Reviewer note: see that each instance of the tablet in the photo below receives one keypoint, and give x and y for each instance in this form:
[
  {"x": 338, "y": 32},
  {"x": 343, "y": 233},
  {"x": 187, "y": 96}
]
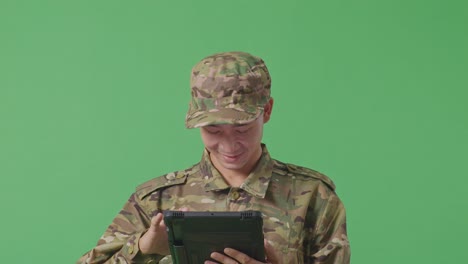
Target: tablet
[{"x": 193, "y": 236}]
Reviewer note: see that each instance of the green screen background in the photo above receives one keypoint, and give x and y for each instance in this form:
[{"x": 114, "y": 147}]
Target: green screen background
[{"x": 93, "y": 96}]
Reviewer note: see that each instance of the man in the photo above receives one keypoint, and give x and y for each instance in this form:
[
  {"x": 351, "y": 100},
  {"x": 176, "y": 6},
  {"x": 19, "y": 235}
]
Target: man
[{"x": 304, "y": 220}]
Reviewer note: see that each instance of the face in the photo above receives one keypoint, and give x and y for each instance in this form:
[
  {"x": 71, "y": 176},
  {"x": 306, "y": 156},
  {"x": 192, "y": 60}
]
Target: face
[{"x": 236, "y": 147}]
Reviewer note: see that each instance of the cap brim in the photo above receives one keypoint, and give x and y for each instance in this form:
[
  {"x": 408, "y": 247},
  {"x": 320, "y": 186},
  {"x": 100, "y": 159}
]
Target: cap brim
[{"x": 220, "y": 117}]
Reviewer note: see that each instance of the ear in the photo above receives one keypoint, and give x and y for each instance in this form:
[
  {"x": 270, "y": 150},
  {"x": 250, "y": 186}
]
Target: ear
[{"x": 267, "y": 110}]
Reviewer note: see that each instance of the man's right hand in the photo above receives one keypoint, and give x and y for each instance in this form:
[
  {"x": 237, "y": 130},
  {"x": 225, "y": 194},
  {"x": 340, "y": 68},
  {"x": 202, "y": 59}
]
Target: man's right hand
[{"x": 155, "y": 241}]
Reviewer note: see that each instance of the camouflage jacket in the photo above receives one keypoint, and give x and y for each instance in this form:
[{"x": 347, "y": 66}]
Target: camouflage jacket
[{"x": 303, "y": 217}]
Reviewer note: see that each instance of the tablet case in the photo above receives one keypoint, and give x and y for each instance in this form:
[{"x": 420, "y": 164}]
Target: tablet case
[{"x": 193, "y": 236}]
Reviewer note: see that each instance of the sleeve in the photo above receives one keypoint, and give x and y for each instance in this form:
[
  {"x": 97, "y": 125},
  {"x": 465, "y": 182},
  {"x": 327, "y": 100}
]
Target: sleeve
[
  {"x": 328, "y": 240},
  {"x": 119, "y": 243}
]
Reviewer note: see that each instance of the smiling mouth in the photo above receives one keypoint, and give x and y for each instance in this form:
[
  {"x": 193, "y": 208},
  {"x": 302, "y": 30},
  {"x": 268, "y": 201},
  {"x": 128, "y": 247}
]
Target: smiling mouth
[{"x": 231, "y": 156}]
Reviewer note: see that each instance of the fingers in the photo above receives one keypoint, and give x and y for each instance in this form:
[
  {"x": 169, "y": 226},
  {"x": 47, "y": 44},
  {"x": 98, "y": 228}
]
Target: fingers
[
  {"x": 270, "y": 252},
  {"x": 232, "y": 256},
  {"x": 221, "y": 258},
  {"x": 239, "y": 256}
]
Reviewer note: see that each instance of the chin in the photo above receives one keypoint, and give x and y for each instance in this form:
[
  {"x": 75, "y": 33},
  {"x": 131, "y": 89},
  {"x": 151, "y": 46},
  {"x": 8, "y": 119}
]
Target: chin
[{"x": 233, "y": 165}]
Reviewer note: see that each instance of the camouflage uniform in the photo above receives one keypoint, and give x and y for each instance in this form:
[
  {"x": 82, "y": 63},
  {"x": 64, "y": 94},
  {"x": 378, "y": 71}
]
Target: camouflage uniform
[
  {"x": 304, "y": 220},
  {"x": 303, "y": 217}
]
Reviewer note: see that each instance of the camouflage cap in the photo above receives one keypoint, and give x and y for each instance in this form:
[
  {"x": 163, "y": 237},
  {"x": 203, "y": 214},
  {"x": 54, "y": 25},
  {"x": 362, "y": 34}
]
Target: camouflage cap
[{"x": 228, "y": 88}]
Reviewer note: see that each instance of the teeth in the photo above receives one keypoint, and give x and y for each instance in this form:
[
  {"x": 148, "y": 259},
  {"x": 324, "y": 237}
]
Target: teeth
[{"x": 231, "y": 156}]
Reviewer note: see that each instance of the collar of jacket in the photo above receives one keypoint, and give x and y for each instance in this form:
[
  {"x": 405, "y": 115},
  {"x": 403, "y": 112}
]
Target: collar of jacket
[{"x": 256, "y": 183}]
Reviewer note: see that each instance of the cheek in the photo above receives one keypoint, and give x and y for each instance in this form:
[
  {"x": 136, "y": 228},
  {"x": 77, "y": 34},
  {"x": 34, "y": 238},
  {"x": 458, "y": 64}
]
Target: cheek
[
  {"x": 252, "y": 140},
  {"x": 210, "y": 142},
  {"x": 257, "y": 135}
]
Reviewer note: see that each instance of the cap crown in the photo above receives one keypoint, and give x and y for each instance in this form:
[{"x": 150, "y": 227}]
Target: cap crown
[{"x": 228, "y": 88}]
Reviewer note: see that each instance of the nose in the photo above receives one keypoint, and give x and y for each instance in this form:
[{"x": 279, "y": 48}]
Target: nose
[{"x": 229, "y": 144}]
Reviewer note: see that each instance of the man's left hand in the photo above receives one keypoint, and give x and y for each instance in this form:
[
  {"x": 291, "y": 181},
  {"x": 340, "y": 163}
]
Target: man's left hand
[{"x": 232, "y": 256}]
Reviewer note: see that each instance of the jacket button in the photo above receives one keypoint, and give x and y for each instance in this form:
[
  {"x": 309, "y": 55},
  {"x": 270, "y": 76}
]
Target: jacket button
[{"x": 235, "y": 195}]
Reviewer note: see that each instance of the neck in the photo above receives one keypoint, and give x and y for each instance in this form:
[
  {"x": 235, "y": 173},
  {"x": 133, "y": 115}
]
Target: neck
[{"x": 235, "y": 177}]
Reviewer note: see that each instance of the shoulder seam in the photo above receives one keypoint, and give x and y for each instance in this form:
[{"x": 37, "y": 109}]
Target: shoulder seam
[
  {"x": 170, "y": 179},
  {"x": 291, "y": 168}
]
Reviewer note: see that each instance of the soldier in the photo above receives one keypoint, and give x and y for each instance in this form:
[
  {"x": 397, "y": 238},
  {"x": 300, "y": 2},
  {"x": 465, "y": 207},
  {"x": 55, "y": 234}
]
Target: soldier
[{"x": 304, "y": 220}]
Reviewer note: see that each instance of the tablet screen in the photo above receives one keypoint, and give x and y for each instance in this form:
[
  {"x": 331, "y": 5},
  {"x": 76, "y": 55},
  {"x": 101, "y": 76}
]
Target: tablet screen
[{"x": 193, "y": 236}]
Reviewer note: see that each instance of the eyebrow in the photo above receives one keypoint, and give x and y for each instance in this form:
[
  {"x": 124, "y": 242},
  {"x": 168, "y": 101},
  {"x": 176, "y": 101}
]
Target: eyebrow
[{"x": 236, "y": 125}]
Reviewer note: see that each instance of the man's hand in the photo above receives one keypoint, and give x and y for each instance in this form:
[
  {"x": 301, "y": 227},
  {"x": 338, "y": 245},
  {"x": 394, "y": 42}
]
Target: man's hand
[
  {"x": 155, "y": 241},
  {"x": 232, "y": 256}
]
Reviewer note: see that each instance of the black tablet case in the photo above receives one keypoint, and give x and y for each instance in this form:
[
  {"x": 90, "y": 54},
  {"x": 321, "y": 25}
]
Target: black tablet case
[{"x": 193, "y": 236}]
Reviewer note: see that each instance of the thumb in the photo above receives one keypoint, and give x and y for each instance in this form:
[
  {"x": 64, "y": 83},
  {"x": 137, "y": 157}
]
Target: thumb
[{"x": 156, "y": 222}]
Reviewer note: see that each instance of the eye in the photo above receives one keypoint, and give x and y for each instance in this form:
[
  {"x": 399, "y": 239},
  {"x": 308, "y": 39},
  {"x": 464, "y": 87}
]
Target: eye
[
  {"x": 242, "y": 130},
  {"x": 212, "y": 130}
]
